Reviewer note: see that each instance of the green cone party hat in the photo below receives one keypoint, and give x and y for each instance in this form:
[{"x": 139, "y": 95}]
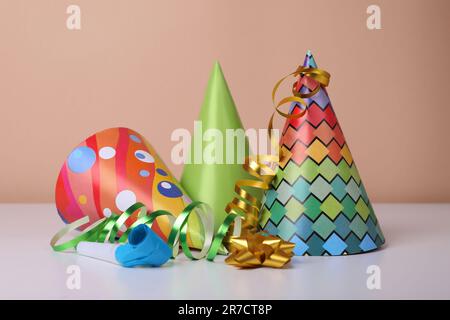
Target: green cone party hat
[
  {"x": 217, "y": 153},
  {"x": 318, "y": 200}
]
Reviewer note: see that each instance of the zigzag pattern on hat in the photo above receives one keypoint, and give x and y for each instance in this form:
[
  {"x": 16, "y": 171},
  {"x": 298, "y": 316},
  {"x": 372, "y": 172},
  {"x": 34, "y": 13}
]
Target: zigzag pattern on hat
[{"x": 318, "y": 200}]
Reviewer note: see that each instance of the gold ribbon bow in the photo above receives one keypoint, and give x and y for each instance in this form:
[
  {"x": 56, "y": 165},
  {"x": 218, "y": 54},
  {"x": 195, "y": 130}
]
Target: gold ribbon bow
[
  {"x": 256, "y": 250},
  {"x": 263, "y": 167}
]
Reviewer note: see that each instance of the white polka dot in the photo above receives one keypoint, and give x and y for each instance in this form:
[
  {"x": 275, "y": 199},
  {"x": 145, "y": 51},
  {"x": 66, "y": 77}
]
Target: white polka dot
[
  {"x": 107, "y": 212},
  {"x": 123, "y": 228},
  {"x": 107, "y": 153},
  {"x": 166, "y": 185},
  {"x": 125, "y": 199},
  {"x": 144, "y": 156}
]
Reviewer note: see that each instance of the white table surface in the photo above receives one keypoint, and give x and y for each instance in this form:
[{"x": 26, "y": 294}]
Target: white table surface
[{"x": 415, "y": 263}]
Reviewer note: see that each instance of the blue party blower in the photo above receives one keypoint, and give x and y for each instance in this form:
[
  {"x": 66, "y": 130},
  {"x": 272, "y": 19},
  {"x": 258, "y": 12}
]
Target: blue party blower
[{"x": 144, "y": 248}]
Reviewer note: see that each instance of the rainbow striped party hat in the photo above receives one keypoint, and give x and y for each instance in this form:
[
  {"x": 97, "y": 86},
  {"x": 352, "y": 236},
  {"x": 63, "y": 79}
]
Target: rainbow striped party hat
[{"x": 317, "y": 199}]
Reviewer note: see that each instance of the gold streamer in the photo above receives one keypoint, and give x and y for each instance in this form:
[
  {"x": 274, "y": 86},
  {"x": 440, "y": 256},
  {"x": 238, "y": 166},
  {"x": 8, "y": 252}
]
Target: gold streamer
[{"x": 263, "y": 167}]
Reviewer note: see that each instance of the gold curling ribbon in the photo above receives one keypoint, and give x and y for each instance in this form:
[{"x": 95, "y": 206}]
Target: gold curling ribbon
[{"x": 263, "y": 167}]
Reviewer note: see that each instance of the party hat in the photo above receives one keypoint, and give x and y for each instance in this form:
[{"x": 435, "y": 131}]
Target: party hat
[
  {"x": 212, "y": 180},
  {"x": 318, "y": 200},
  {"x": 114, "y": 169}
]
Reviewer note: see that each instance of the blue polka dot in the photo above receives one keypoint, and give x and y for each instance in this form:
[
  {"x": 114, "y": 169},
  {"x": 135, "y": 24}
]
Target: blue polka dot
[
  {"x": 144, "y": 173},
  {"x": 168, "y": 189},
  {"x": 81, "y": 159},
  {"x": 135, "y": 138},
  {"x": 144, "y": 156},
  {"x": 161, "y": 172}
]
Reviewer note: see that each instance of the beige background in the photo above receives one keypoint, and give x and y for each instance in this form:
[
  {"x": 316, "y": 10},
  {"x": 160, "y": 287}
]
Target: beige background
[{"x": 145, "y": 64}]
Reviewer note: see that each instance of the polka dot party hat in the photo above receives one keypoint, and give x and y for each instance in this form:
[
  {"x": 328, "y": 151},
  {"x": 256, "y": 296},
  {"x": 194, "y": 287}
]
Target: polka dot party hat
[{"x": 113, "y": 169}]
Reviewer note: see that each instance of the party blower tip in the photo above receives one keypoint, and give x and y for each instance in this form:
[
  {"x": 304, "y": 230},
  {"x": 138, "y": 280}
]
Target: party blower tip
[{"x": 144, "y": 248}]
